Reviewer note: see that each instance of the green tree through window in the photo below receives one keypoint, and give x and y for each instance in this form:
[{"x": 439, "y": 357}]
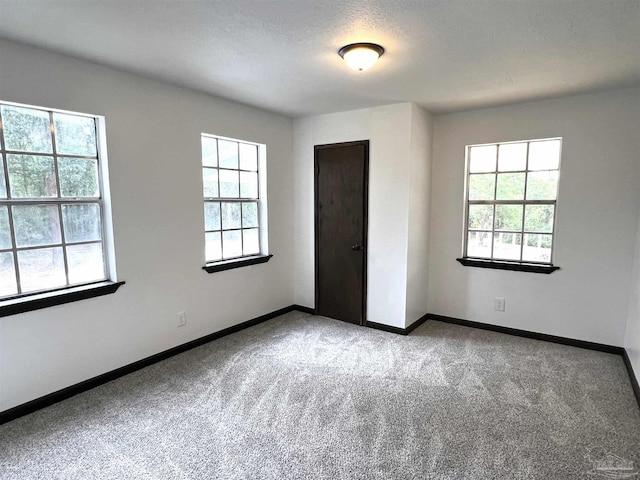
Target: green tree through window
[
  {"x": 511, "y": 200},
  {"x": 50, "y": 201},
  {"x": 232, "y": 200}
]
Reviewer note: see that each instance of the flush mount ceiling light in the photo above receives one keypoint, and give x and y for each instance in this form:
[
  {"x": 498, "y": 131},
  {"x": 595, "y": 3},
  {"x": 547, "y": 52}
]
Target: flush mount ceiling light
[{"x": 361, "y": 56}]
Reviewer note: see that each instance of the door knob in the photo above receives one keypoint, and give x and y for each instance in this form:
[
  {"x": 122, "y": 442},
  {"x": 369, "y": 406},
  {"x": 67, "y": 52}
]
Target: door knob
[{"x": 357, "y": 247}]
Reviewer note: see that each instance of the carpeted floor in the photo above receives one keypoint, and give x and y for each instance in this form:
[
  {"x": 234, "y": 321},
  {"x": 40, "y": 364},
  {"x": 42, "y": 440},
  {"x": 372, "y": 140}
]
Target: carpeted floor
[{"x": 304, "y": 397}]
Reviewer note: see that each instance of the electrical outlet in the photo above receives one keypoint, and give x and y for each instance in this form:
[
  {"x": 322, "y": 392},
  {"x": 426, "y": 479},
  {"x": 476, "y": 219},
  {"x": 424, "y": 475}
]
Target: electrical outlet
[
  {"x": 182, "y": 319},
  {"x": 498, "y": 304}
]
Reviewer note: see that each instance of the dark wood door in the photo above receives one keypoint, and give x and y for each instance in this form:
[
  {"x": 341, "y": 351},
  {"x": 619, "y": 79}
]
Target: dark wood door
[{"x": 341, "y": 179}]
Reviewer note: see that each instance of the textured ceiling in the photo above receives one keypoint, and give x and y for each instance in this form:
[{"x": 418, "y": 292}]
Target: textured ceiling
[{"x": 281, "y": 55}]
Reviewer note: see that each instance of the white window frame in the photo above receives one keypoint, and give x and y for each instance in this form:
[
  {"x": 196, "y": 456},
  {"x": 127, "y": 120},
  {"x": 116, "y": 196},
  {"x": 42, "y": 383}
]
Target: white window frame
[
  {"x": 34, "y": 299},
  {"x": 260, "y": 200},
  {"x": 487, "y": 261}
]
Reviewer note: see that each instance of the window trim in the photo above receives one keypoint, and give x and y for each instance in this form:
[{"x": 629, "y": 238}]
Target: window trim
[
  {"x": 260, "y": 200},
  {"x": 506, "y": 264},
  {"x": 34, "y": 300},
  {"x": 235, "y": 263}
]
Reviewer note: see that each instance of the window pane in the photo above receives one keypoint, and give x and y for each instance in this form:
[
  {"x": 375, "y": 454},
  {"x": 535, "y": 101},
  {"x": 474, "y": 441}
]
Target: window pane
[
  {"x": 506, "y": 246},
  {"x": 479, "y": 245},
  {"x": 235, "y": 212},
  {"x": 78, "y": 177},
  {"x": 209, "y": 152},
  {"x": 5, "y": 231},
  {"x": 31, "y": 176},
  {"x": 250, "y": 242},
  {"x": 36, "y": 225},
  {"x": 8, "y": 284},
  {"x": 75, "y": 135},
  {"x": 480, "y": 217},
  {"x": 509, "y": 217},
  {"x": 86, "y": 263},
  {"x": 248, "y": 157},
  {"x": 230, "y": 215},
  {"x": 41, "y": 269},
  {"x": 512, "y": 156},
  {"x": 213, "y": 247},
  {"x": 538, "y": 218},
  {"x": 537, "y": 248},
  {"x": 542, "y": 185},
  {"x": 248, "y": 185},
  {"x": 228, "y": 154},
  {"x": 510, "y": 186},
  {"x": 210, "y": 182},
  {"x": 231, "y": 244},
  {"x": 482, "y": 187},
  {"x": 482, "y": 159},
  {"x": 81, "y": 222},
  {"x": 212, "y": 216},
  {"x": 26, "y": 129},
  {"x": 3, "y": 185},
  {"x": 229, "y": 184},
  {"x": 249, "y": 214},
  {"x": 544, "y": 155}
]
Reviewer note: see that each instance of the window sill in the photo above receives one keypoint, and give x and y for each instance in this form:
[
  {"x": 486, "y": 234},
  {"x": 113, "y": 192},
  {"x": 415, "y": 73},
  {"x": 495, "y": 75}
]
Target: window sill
[
  {"x": 37, "y": 301},
  {"x": 236, "y": 263},
  {"x": 515, "y": 266}
]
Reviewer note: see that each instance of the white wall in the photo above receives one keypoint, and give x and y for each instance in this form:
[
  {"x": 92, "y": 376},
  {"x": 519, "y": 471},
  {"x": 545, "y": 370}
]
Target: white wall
[
  {"x": 392, "y": 156},
  {"x": 596, "y": 219},
  {"x": 153, "y": 137},
  {"x": 154, "y": 154},
  {"x": 419, "y": 211},
  {"x": 632, "y": 336}
]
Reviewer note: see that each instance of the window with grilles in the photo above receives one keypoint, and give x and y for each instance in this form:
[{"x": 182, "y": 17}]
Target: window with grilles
[
  {"x": 51, "y": 201},
  {"x": 511, "y": 196}
]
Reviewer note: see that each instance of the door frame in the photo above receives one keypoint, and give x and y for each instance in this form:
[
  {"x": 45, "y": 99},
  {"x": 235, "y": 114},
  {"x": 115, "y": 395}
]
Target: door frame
[{"x": 365, "y": 222}]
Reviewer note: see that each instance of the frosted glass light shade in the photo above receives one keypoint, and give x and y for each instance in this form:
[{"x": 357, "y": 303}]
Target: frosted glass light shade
[{"x": 361, "y": 56}]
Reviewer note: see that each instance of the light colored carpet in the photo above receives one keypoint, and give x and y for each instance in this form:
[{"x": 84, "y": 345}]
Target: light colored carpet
[{"x": 305, "y": 397}]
